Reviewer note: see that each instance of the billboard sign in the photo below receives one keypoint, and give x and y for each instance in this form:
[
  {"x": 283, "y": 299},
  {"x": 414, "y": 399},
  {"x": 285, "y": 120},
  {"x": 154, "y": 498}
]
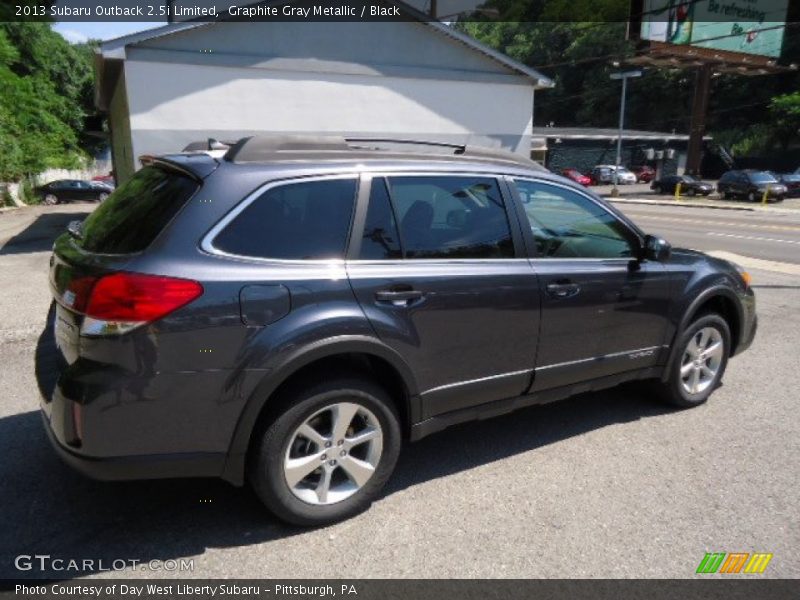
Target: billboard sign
[{"x": 744, "y": 26}]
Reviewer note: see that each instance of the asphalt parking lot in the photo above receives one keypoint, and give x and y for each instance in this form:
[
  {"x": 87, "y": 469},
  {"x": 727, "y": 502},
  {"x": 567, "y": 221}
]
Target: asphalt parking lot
[{"x": 607, "y": 485}]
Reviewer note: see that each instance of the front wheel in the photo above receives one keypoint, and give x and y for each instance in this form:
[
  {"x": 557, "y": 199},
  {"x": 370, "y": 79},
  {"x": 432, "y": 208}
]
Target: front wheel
[
  {"x": 102, "y": 197},
  {"x": 751, "y": 197},
  {"x": 704, "y": 349},
  {"x": 50, "y": 199},
  {"x": 328, "y": 454}
]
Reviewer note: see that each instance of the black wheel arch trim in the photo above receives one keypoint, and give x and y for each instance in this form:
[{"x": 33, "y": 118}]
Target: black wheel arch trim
[
  {"x": 691, "y": 311},
  {"x": 327, "y": 348}
]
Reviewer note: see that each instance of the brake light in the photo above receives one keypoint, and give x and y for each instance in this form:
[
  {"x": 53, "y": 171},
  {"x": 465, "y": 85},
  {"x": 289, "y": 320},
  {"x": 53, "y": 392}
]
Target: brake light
[{"x": 120, "y": 302}]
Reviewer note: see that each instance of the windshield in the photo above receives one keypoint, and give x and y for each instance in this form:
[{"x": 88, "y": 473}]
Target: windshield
[{"x": 762, "y": 178}]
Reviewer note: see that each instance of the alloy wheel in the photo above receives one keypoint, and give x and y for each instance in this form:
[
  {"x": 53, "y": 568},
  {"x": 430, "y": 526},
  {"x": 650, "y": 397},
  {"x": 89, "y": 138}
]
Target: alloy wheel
[
  {"x": 333, "y": 454},
  {"x": 701, "y": 360}
]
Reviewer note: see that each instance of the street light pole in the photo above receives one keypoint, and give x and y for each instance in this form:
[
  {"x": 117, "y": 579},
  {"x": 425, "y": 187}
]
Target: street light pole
[{"x": 624, "y": 75}]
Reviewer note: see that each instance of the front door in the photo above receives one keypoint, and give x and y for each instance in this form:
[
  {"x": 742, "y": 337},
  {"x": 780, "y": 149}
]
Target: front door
[
  {"x": 602, "y": 311},
  {"x": 438, "y": 266}
]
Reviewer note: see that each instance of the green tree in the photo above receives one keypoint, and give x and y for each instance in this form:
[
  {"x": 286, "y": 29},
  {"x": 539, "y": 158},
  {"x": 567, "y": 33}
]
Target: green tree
[{"x": 46, "y": 94}]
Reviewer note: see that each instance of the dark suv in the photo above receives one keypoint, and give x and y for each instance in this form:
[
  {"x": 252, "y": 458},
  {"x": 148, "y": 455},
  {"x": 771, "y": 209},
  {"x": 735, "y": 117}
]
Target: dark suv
[
  {"x": 751, "y": 185},
  {"x": 289, "y": 313}
]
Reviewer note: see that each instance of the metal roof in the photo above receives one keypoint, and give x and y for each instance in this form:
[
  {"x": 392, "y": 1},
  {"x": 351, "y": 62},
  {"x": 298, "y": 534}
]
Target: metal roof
[{"x": 603, "y": 133}]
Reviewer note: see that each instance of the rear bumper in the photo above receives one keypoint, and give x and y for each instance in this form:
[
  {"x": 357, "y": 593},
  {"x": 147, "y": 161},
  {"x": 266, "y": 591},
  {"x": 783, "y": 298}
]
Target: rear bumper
[
  {"x": 103, "y": 433},
  {"x": 120, "y": 468}
]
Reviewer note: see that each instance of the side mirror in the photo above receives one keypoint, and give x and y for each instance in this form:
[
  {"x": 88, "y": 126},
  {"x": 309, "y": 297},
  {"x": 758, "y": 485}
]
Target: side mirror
[{"x": 656, "y": 248}]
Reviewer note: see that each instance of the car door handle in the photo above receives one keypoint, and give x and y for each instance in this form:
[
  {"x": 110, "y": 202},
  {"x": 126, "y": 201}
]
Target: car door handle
[
  {"x": 398, "y": 297},
  {"x": 562, "y": 289}
]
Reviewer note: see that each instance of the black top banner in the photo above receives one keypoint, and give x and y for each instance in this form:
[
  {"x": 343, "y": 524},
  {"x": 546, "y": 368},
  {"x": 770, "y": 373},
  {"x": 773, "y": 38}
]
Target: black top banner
[{"x": 166, "y": 11}]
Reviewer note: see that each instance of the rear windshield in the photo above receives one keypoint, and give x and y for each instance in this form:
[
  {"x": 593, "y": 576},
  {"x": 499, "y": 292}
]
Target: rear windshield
[{"x": 136, "y": 212}]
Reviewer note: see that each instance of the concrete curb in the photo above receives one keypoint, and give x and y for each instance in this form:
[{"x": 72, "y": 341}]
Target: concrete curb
[{"x": 689, "y": 204}]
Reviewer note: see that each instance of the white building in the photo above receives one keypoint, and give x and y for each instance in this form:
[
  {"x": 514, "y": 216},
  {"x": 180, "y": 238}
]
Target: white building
[{"x": 185, "y": 82}]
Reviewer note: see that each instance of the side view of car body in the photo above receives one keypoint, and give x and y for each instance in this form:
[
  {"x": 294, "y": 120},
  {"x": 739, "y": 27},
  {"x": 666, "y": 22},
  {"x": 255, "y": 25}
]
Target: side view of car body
[
  {"x": 290, "y": 322},
  {"x": 690, "y": 186},
  {"x": 604, "y": 174},
  {"x": 577, "y": 176},
  {"x": 791, "y": 181},
  {"x": 750, "y": 185},
  {"x": 70, "y": 190}
]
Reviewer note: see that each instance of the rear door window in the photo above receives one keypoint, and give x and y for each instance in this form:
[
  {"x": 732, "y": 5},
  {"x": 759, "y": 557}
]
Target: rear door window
[
  {"x": 294, "y": 221},
  {"x": 443, "y": 217},
  {"x": 137, "y": 212}
]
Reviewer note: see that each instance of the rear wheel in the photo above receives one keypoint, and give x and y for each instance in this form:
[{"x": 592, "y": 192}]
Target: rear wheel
[
  {"x": 691, "y": 192},
  {"x": 50, "y": 199},
  {"x": 704, "y": 349},
  {"x": 328, "y": 454},
  {"x": 658, "y": 189},
  {"x": 751, "y": 196}
]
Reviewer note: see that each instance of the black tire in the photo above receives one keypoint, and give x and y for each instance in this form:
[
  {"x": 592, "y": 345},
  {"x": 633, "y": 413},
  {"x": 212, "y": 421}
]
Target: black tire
[
  {"x": 727, "y": 195},
  {"x": 50, "y": 199},
  {"x": 658, "y": 189},
  {"x": 271, "y": 442},
  {"x": 102, "y": 197},
  {"x": 779, "y": 199},
  {"x": 751, "y": 197},
  {"x": 691, "y": 192},
  {"x": 672, "y": 391}
]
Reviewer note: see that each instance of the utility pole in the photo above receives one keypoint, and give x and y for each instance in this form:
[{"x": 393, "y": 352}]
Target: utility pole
[
  {"x": 697, "y": 129},
  {"x": 624, "y": 75},
  {"x": 433, "y": 9}
]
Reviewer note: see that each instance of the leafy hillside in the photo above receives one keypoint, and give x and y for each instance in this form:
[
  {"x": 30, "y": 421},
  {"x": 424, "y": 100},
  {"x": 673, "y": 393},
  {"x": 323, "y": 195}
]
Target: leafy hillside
[{"x": 47, "y": 87}]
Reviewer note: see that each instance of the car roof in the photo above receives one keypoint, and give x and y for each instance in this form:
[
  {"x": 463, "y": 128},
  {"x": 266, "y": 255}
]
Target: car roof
[{"x": 271, "y": 149}]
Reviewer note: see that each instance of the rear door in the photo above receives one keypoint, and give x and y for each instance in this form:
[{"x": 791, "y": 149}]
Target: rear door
[
  {"x": 603, "y": 312},
  {"x": 437, "y": 263}
]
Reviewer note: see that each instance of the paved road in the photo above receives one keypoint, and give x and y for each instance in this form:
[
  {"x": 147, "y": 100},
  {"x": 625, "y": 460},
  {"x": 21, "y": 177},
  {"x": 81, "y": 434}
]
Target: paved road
[
  {"x": 610, "y": 484},
  {"x": 758, "y": 234}
]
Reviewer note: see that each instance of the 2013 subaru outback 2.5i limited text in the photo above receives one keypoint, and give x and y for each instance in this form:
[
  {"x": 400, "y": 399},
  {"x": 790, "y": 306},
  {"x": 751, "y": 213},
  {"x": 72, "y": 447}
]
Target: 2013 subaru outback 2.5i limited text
[{"x": 288, "y": 313}]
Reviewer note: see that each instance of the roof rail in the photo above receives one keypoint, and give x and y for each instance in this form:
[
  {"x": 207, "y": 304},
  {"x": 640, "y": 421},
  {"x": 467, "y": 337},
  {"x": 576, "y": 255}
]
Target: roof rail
[{"x": 263, "y": 148}]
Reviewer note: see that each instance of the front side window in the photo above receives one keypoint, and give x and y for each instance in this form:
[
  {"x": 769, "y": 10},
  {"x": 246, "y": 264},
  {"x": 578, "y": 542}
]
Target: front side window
[
  {"x": 295, "y": 221},
  {"x": 566, "y": 224},
  {"x": 449, "y": 217}
]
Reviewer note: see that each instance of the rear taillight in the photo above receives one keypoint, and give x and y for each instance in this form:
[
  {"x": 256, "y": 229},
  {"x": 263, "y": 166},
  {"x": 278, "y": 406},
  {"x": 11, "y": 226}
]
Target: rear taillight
[{"x": 117, "y": 303}]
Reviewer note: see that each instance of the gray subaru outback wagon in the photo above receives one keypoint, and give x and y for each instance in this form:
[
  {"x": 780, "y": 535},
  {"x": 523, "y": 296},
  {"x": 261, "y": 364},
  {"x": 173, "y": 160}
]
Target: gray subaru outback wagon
[{"x": 289, "y": 313}]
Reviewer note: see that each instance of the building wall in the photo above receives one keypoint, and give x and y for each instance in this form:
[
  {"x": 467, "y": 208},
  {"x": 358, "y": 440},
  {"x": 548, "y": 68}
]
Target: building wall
[
  {"x": 172, "y": 104},
  {"x": 585, "y": 154}
]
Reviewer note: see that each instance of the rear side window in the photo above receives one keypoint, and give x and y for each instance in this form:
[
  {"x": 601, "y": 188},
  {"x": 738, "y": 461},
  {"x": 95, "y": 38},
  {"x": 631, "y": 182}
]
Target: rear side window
[
  {"x": 137, "y": 212},
  {"x": 451, "y": 217},
  {"x": 302, "y": 220}
]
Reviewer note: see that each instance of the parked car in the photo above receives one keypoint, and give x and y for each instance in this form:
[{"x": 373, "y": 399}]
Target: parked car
[
  {"x": 644, "y": 173},
  {"x": 690, "y": 186},
  {"x": 104, "y": 179},
  {"x": 600, "y": 175},
  {"x": 69, "y": 190},
  {"x": 751, "y": 185},
  {"x": 332, "y": 299},
  {"x": 577, "y": 176},
  {"x": 791, "y": 181},
  {"x": 604, "y": 174}
]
